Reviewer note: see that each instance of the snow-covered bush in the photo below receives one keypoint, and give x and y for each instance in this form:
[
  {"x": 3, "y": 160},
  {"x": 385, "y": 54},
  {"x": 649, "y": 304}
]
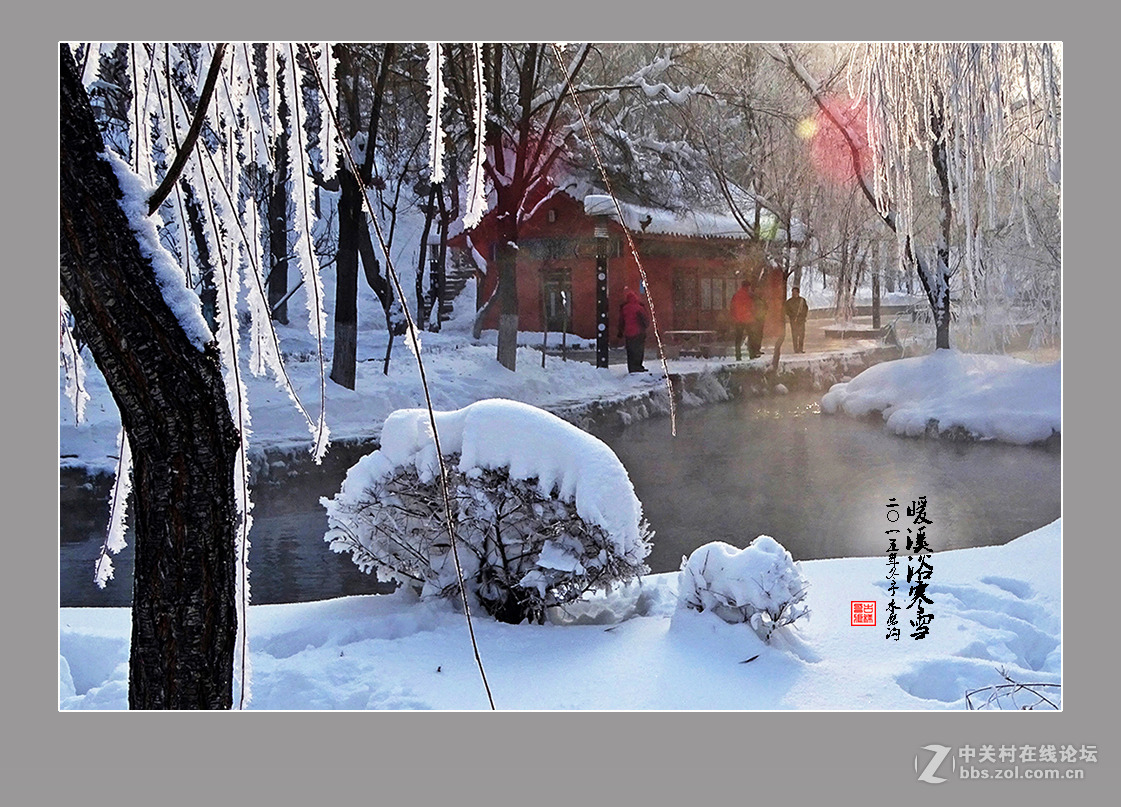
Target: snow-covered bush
[
  {"x": 760, "y": 585},
  {"x": 542, "y": 511}
]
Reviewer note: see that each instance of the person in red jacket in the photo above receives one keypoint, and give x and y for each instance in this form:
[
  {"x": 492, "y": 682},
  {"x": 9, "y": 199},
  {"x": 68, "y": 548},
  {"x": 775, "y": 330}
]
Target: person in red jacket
[
  {"x": 743, "y": 312},
  {"x": 755, "y": 330},
  {"x": 632, "y": 328}
]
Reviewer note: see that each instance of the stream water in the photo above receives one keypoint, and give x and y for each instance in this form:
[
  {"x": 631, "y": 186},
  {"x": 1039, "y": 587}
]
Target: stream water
[{"x": 817, "y": 483}]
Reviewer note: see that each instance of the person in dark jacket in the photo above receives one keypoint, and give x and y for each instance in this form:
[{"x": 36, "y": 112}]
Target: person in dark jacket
[
  {"x": 759, "y": 316},
  {"x": 742, "y": 312},
  {"x": 796, "y": 309},
  {"x": 632, "y": 328}
]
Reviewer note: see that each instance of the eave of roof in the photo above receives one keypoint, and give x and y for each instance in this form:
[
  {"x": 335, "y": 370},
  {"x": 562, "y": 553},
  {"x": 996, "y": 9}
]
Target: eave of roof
[{"x": 655, "y": 221}]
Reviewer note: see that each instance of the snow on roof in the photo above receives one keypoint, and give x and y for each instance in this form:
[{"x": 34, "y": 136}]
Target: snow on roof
[
  {"x": 691, "y": 223},
  {"x": 687, "y": 223}
]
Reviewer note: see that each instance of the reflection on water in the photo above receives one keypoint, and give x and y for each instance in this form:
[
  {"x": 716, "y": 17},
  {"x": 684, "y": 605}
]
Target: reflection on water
[
  {"x": 774, "y": 466},
  {"x": 819, "y": 483},
  {"x": 288, "y": 558}
]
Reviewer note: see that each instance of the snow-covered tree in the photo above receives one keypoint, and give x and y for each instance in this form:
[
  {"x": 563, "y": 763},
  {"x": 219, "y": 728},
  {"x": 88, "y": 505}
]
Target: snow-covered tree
[
  {"x": 163, "y": 367},
  {"x": 176, "y": 375},
  {"x": 370, "y": 107},
  {"x": 509, "y": 97},
  {"x": 937, "y": 136},
  {"x": 526, "y": 110}
]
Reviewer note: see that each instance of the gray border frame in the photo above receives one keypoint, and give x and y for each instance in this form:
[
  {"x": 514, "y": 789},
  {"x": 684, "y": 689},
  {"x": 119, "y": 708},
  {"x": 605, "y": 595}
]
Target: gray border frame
[{"x": 527, "y": 757}]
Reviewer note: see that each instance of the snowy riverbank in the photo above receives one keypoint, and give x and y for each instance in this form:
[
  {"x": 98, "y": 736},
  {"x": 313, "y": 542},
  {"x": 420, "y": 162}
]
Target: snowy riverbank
[
  {"x": 953, "y": 393},
  {"x": 459, "y": 371},
  {"x": 996, "y": 609}
]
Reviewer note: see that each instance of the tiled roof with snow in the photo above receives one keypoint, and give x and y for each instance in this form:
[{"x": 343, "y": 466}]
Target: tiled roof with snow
[{"x": 685, "y": 223}]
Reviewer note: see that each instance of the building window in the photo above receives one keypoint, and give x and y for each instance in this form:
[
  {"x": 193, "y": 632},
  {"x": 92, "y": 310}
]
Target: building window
[
  {"x": 706, "y": 284},
  {"x": 556, "y": 299},
  {"x": 684, "y": 291},
  {"x": 716, "y": 292}
]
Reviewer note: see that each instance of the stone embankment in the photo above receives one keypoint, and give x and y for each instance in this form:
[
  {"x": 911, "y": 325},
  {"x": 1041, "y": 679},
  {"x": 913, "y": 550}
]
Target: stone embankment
[
  {"x": 705, "y": 383},
  {"x": 715, "y": 381}
]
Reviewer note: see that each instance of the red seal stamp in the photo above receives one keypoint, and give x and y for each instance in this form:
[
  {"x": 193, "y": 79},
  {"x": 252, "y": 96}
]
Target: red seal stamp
[{"x": 863, "y": 613}]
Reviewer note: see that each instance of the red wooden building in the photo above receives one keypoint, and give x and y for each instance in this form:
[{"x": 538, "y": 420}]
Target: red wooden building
[{"x": 694, "y": 262}]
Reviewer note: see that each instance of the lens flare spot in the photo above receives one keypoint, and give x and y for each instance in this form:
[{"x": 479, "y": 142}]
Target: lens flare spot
[
  {"x": 806, "y": 128},
  {"x": 839, "y": 145}
]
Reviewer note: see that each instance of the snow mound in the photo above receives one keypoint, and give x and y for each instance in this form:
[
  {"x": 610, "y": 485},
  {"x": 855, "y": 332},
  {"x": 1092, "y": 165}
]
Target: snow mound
[
  {"x": 531, "y": 443},
  {"x": 760, "y": 584},
  {"x": 988, "y": 397}
]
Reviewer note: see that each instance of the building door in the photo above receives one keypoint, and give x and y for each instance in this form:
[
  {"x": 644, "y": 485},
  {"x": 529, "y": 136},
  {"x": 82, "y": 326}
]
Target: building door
[
  {"x": 685, "y": 300},
  {"x": 556, "y": 299}
]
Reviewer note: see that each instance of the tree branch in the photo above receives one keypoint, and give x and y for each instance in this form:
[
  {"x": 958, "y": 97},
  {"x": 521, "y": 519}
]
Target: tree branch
[{"x": 165, "y": 187}]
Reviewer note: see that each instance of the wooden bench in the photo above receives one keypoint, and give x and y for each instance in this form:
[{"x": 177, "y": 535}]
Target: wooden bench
[{"x": 689, "y": 343}]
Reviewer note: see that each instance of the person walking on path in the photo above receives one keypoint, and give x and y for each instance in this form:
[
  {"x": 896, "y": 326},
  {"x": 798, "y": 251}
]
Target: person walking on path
[
  {"x": 742, "y": 311},
  {"x": 759, "y": 316},
  {"x": 632, "y": 328},
  {"x": 796, "y": 309}
]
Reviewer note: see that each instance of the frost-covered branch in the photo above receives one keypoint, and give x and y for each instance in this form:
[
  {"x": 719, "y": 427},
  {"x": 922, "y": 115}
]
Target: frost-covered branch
[
  {"x": 114, "y": 540},
  {"x": 476, "y": 189},
  {"x": 317, "y": 317},
  {"x": 71, "y": 357}
]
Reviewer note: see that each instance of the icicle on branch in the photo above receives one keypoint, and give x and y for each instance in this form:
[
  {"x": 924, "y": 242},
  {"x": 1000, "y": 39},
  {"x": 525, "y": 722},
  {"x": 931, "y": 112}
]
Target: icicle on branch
[
  {"x": 222, "y": 223},
  {"x": 476, "y": 182},
  {"x": 118, "y": 510},
  {"x": 162, "y": 112},
  {"x": 264, "y": 339},
  {"x": 305, "y": 252},
  {"x": 437, "y": 97},
  {"x": 327, "y": 142},
  {"x": 72, "y": 364}
]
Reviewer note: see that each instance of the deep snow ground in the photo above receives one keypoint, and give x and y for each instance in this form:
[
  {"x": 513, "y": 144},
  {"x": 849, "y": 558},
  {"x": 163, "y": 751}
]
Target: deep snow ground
[{"x": 997, "y": 609}]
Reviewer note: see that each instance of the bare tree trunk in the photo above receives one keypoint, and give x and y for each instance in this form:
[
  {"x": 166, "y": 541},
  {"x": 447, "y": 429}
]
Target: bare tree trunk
[
  {"x": 437, "y": 275},
  {"x": 509, "y": 197},
  {"x": 940, "y": 300},
  {"x": 507, "y": 303},
  {"x": 422, "y": 259},
  {"x": 277, "y": 280},
  {"x": 351, "y": 218},
  {"x": 376, "y": 281},
  {"x": 173, "y": 406},
  {"x": 354, "y": 232}
]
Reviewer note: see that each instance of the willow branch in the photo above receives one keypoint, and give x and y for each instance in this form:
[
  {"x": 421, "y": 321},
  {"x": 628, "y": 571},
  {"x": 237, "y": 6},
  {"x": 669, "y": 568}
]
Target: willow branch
[{"x": 176, "y": 169}]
